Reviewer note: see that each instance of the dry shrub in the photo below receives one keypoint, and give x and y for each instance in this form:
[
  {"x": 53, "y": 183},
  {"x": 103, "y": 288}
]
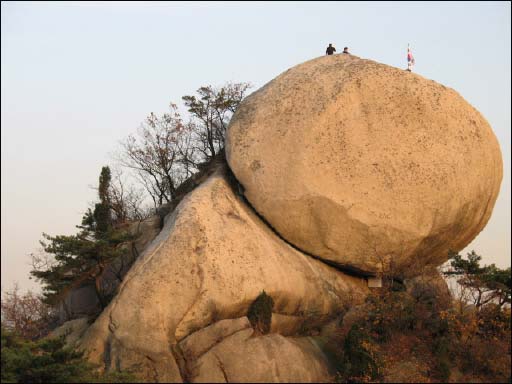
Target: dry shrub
[{"x": 26, "y": 314}]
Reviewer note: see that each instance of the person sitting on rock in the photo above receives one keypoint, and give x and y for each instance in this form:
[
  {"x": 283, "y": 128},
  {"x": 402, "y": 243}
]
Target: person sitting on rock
[
  {"x": 330, "y": 50},
  {"x": 345, "y": 50}
]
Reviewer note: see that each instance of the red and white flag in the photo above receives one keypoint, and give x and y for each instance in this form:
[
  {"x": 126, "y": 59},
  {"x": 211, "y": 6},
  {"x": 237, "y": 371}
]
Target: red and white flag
[{"x": 410, "y": 57}]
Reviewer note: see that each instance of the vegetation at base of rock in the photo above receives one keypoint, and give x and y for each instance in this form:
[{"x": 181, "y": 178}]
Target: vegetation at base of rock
[
  {"x": 359, "y": 362},
  {"x": 260, "y": 313},
  {"x": 48, "y": 361},
  {"x": 424, "y": 336}
]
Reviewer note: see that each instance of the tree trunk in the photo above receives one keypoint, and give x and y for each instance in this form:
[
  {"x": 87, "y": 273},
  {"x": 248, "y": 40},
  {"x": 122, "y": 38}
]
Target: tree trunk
[{"x": 97, "y": 287}]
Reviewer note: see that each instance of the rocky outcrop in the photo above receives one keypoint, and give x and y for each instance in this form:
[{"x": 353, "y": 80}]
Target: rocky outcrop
[
  {"x": 228, "y": 351},
  {"x": 365, "y": 165},
  {"x": 71, "y": 330},
  {"x": 81, "y": 301},
  {"x": 213, "y": 257},
  {"x": 351, "y": 166}
]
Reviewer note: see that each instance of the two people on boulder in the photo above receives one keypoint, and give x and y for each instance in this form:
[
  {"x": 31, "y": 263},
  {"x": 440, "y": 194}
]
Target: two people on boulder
[
  {"x": 330, "y": 50},
  {"x": 410, "y": 58}
]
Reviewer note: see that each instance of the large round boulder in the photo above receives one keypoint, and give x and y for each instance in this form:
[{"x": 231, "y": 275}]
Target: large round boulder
[{"x": 366, "y": 165}]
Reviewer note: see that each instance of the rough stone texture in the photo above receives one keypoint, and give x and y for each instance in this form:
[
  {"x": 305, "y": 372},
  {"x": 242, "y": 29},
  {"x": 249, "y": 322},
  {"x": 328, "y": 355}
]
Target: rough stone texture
[
  {"x": 198, "y": 343},
  {"x": 366, "y": 165},
  {"x": 243, "y": 358},
  {"x": 210, "y": 261},
  {"x": 81, "y": 301},
  {"x": 145, "y": 231},
  {"x": 72, "y": 330}
]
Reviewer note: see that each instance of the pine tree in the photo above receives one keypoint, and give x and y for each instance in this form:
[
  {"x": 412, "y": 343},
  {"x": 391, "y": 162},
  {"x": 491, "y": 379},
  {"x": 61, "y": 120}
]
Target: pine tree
[
  {"x": 102, "y": 210},
  {"x": 48, "y": 360},
  {"x": 488, "y": 283},
  {"x": 83, "y": 257}
]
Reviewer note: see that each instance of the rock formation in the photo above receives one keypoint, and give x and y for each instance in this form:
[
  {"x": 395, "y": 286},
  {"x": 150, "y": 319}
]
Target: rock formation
[
  {"x": 366, "y": 165},
  {"x": 211, "y": 260},
  {"x": 228, "y": 352},
  {"x": 71, "y": 330},
  {"x": 350, "y": 166}
]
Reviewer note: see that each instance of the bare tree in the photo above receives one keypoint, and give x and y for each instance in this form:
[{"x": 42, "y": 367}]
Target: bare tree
[
  {"x": 190, "y": 157},
  {"x": 126, "y": 201},
  {"x": 211, "y": 112},
  {"x": 155, "y": 155},
  {"x": 166, "y": 151},
  {"x": 26, "y": 314}
]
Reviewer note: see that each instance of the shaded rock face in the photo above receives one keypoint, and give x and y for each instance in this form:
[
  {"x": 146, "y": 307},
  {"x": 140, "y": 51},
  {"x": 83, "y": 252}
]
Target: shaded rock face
[
  {"x": 210, "y": 261},
  {"x": 79, "y": 302},
  {"x": 366, "y": 165},
  {"x": 72, "y": 331},
  {"x": 83, "y": 300}
]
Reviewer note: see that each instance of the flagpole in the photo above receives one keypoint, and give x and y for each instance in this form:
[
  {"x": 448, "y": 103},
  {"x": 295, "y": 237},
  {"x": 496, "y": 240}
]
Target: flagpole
[{"x": 408, "y": 59}]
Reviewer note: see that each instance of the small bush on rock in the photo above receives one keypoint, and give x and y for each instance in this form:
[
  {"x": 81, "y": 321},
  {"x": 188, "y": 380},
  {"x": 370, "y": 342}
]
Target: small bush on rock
[{"x": 260, "y": 313}]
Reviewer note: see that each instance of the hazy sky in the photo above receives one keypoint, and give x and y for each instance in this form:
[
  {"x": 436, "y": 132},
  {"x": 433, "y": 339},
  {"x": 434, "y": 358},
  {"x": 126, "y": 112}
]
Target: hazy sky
[{"x": 77, "y": 78}]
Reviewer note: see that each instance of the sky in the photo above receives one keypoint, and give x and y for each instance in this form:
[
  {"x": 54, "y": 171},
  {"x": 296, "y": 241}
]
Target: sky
[{"x": 77, "y": 78}]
